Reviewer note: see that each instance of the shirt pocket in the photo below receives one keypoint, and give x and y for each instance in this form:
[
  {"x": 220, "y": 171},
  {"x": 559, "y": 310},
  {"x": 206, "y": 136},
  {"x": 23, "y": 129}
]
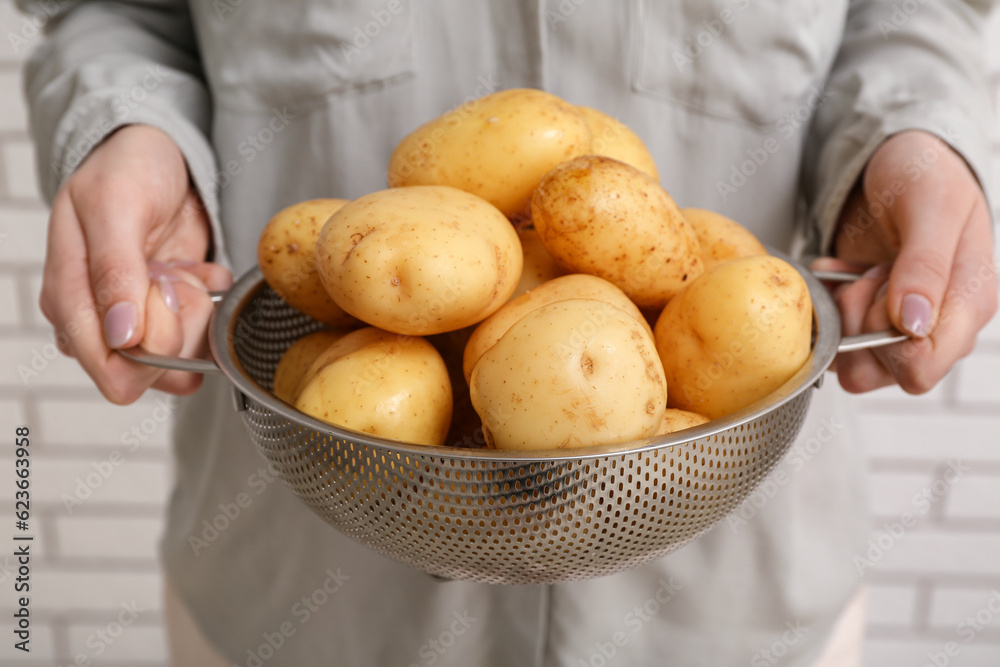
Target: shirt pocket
[
  {"x": 750, "y": 61},
  {"x": 301, "y": 52}
]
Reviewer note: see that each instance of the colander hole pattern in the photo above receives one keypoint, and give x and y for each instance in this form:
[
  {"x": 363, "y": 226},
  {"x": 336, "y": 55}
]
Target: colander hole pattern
[{"x": 497, "y": 521}]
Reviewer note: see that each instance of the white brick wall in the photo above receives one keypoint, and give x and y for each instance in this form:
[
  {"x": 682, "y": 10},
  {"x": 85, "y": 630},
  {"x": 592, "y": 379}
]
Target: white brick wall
[
  {"x": 95, "y": 588},
  {"x": 13, "y": 115},
  {"x": 9, "y": 305},
  {"x": 975, "y": 497},
  {"x": 892, "y": 492},
  {"x": 90, "y": 561},
  {"x": 43, "y": 648},
  {"x": 101, "y": 424},
  {"x": 937, "y": 550},
  {"x": 920, "y": 652},
  {"x": 100, "y": 537},
  {"x": 137, "y": 644},
  {"x": 40, "y": 546},
  {"x": 31, "y": 289},
  {"x": 96, "y": 479},
  {"x": 19, "y": 159},
  {"x": 891, "y": 605},
  {"x": 951, "y": 607},
  {"x": 33, "y": 362},
  {"x": 103, "y": 554},
  {"x": 991, "y": 334},
  {"x": 22, "y": 232},
  {"x": 929, "y": 434},
  {"x": 11, "y": 412},
  {"x": 978, "y": 381}
]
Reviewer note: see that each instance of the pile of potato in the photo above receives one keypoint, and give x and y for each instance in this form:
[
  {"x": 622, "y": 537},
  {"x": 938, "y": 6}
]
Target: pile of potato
[{"x": 500, "y": 292}]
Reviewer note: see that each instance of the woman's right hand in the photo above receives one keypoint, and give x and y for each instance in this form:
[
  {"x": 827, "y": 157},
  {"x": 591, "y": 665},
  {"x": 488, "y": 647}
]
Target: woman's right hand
[{"x": 125, "y": 264}]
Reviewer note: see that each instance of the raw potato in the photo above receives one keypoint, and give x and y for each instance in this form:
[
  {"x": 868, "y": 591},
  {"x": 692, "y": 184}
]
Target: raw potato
[
  {"x": 539, "y": 265},
  {"x": 734, "y": 335},
  {"x": 600, "y": 216},
  {"x": 286, "y": 254},
  {"x": 466, "y": 427},
  {"x": 720, "y": 238},
  {"x": 576, "y": 373},
  {"x": 574, "y": 286},
  {"x": 419, "y": 260},
  {"x": 677, "y": 420},
  {"x": 613, "y": 138},
  {"x": 297, "y": 359},
  {"x": 384, "y": 384},
  {"x": 497, "y": 147}
]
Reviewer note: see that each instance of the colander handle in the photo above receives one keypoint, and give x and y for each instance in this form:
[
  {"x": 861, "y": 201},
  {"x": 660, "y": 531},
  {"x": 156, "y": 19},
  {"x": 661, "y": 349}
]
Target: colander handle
[
  {"x": 861, "y": 341},
  {"x": 174, "y": 363}
]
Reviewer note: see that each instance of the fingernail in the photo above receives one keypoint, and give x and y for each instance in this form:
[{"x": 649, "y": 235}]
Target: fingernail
[
  {"x": 877, "y": 272},
  {"x": 120, "y": 323},
  {"x": 169, "y": 294},
  {"x": 882, "y": 291},
  {"x": 181, "y": 264},
  {"x": 916, "y": 315}
]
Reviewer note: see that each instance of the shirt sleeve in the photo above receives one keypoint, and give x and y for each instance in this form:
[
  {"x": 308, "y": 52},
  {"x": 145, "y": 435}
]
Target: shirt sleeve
[
  {"x": 106, "y": 64},
  {"x": 902, "y": 65}
]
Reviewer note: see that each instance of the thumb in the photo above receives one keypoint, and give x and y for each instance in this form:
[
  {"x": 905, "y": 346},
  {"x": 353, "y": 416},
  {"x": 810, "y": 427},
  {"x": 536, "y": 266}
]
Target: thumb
[
  {"x": 927, "y": 216},
  {"x": 922, "y": 270},
  {"x": 917, "y": 291},
  {"x": 119, "y": 279}
]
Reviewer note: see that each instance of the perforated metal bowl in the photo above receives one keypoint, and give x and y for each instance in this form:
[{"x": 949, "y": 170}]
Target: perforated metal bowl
[{"x": 501, "y": 516}]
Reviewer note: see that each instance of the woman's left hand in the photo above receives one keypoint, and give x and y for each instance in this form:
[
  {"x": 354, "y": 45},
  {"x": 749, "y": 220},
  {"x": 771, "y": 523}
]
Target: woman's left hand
[{"x": 919, "y": 222}]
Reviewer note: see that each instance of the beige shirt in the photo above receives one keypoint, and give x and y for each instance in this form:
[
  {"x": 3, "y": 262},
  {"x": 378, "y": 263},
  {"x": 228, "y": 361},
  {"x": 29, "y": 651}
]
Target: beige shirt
[{"x": 763, "y": 110}]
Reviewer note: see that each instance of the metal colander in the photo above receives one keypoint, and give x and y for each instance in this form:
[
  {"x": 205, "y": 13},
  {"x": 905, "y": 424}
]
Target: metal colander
[{"x": 508, "y": 517}]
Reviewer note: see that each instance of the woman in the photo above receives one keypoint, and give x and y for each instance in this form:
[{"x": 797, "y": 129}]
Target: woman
[{"x": 853, "y": 128}]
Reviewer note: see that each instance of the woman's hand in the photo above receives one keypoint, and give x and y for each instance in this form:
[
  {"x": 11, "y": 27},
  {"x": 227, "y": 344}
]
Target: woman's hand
[
  {"x": 919, "y": 222},
  {"x": 125, "y": 264}
]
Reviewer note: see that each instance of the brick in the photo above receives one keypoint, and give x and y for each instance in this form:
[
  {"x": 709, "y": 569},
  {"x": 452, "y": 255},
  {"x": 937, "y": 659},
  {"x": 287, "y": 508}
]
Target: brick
[
  {"x": 975, "y": 497},
  {"x": 931, "y": 552},
  {"x": 135, "y": 643},
  {"x": 66, "y": 590},
  {"x": 19, "y": 163},
  {"x": 108, "y": 537},
  {"x": 931, "y": 438},
  {"x": 43, "y": 645},
  {"x": 993, "y": 49},
  {"x": 10, "y": 21},
  {"x": 26, "y": 29},
  {"x": 917, "y": 652},
  {"x": 11, "y": 414},
  {"x": 39, "y": 547},
  {"x": 891, "y": 605},
  {"x": 10, "y": 310},
  {"x": 13, "y": 115},
  {"x": 892, "y": 493},
  {"x": 33, "y": 291},
  {"x": 129, "y": 482},
  {"x": 22, "y": 235},
  {"x": 33, "y": 362},
  {"x": 894, "y": 397},
  {"x": 953, "y": 606},
  {"x": 142, "y": 426},
  {"x": 977, "y": 380},
  {"x": 991, "y": 332}
]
